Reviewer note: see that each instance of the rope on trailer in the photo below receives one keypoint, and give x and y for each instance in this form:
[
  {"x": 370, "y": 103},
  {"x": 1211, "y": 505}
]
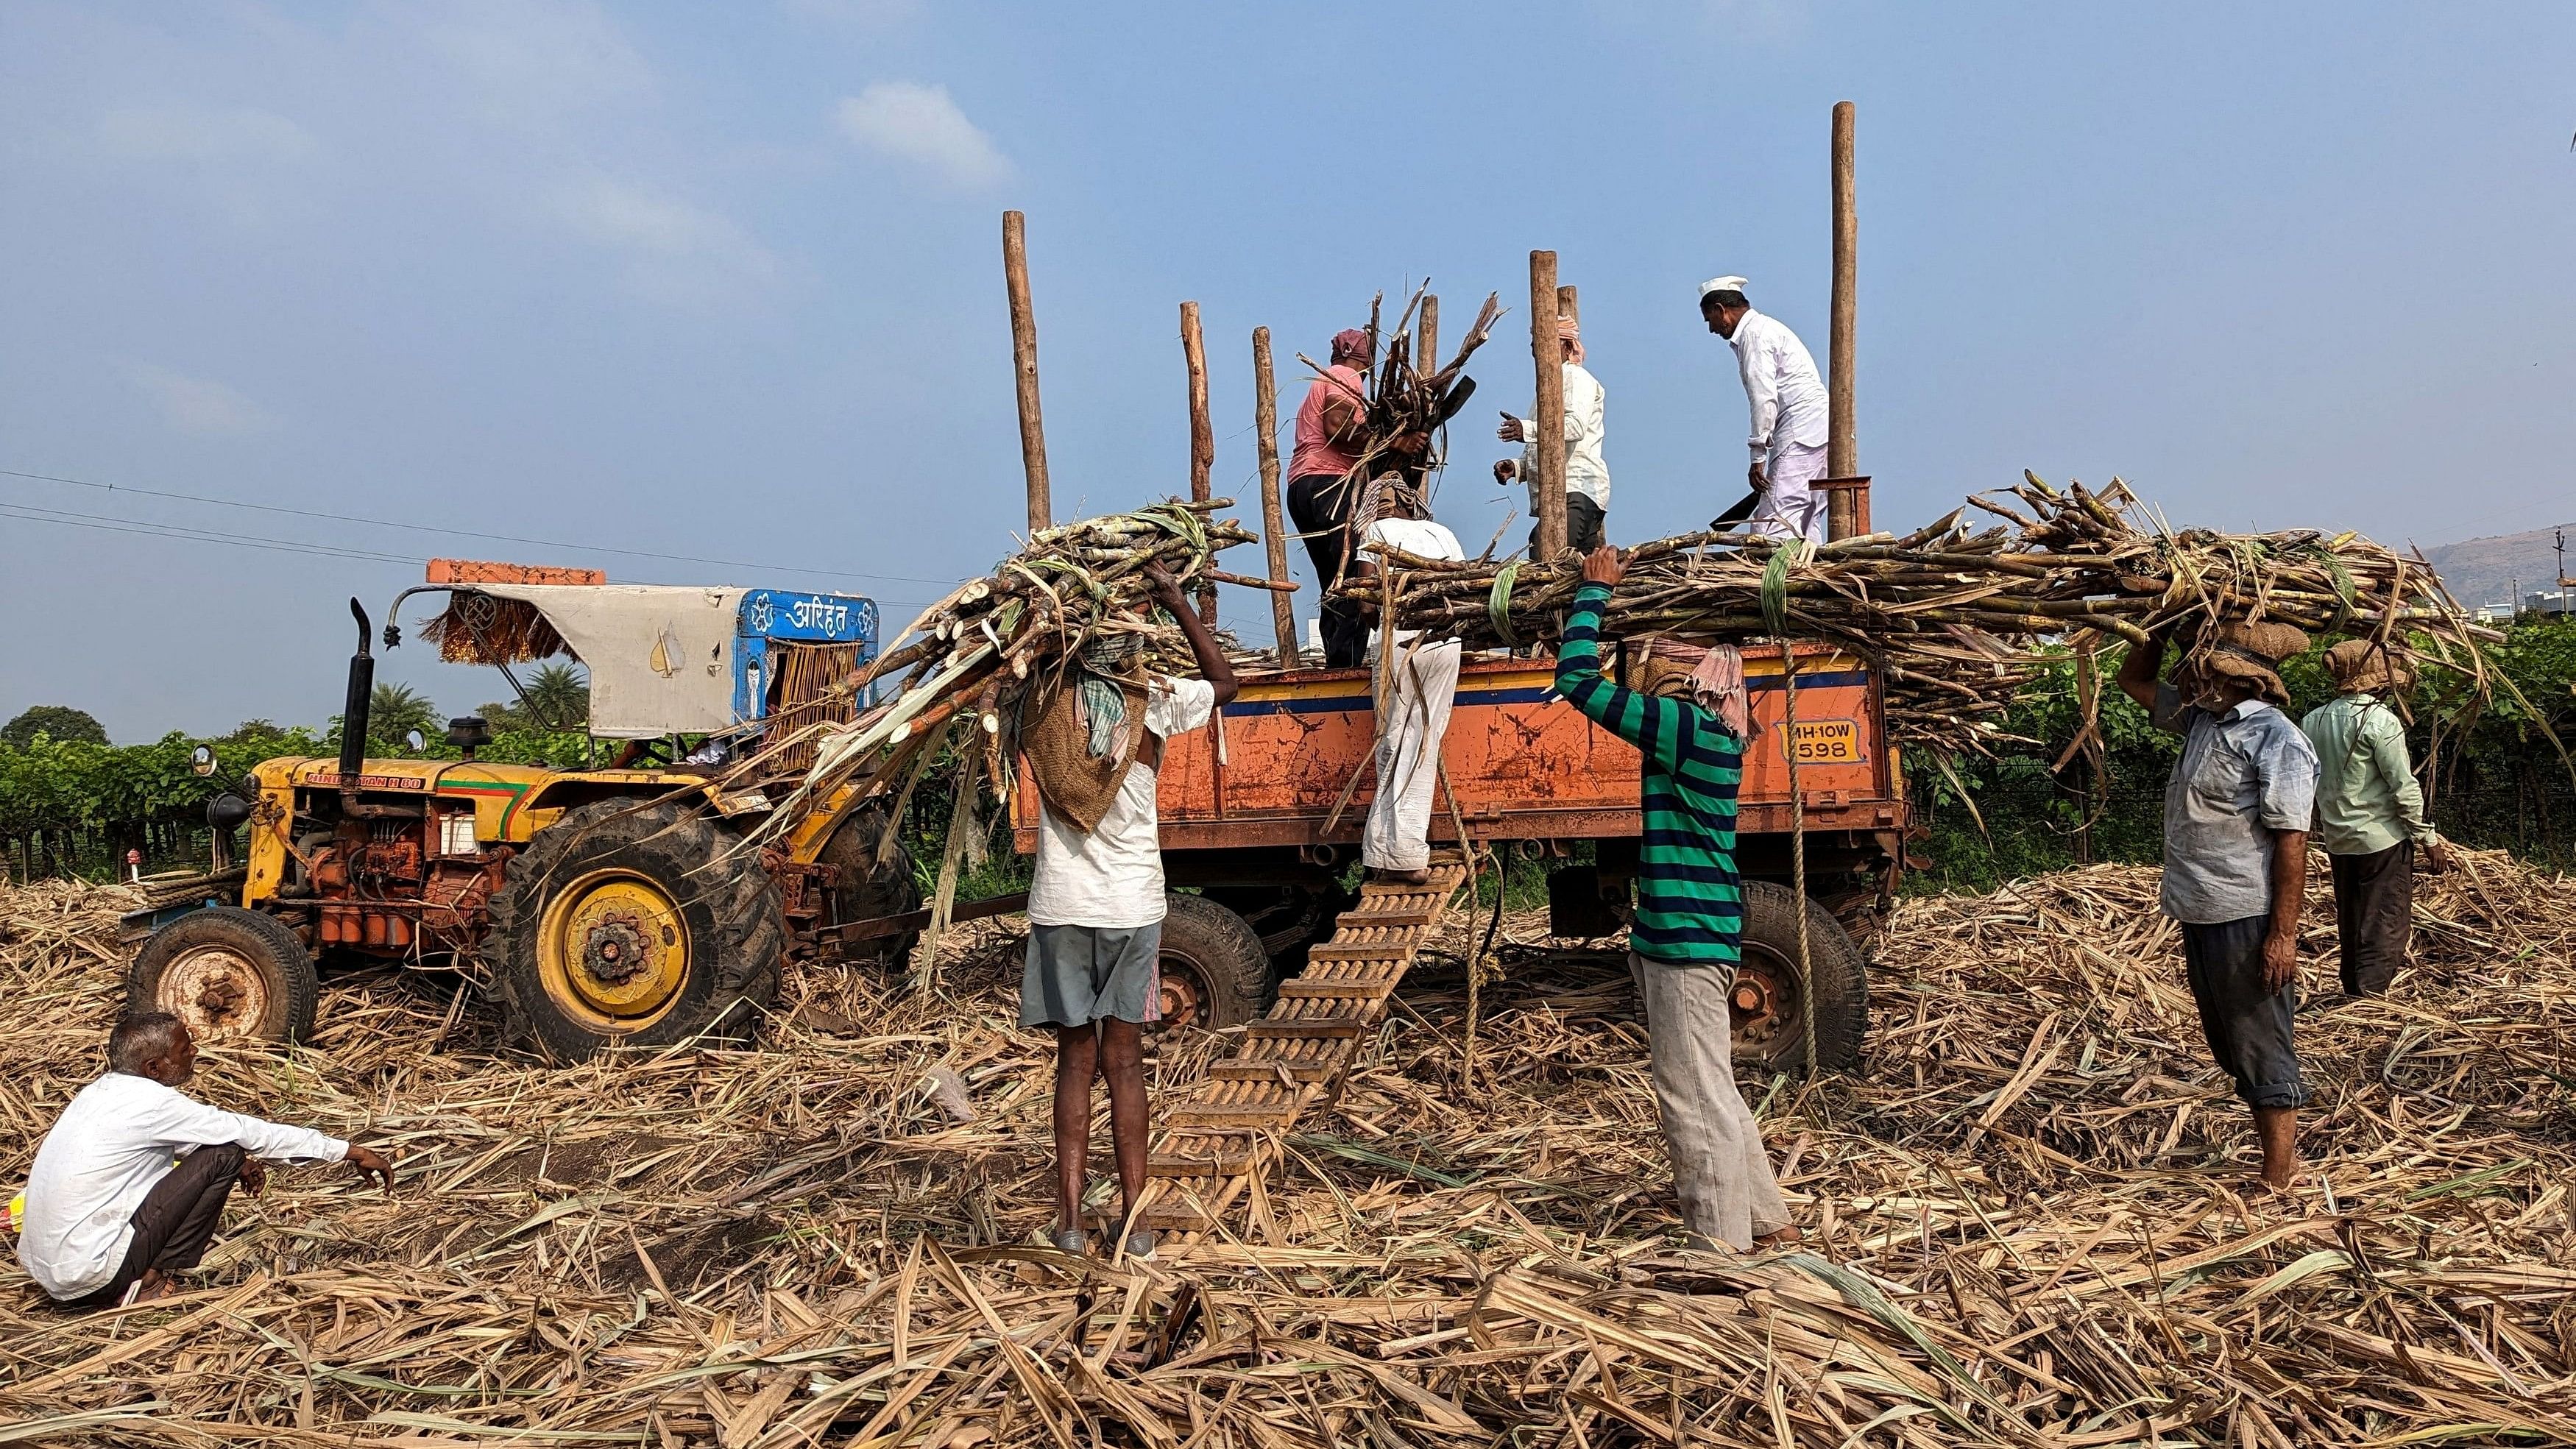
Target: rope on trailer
[
  {"x": 1498, "y": 604},
  {"x": 1798, "y": 851}
]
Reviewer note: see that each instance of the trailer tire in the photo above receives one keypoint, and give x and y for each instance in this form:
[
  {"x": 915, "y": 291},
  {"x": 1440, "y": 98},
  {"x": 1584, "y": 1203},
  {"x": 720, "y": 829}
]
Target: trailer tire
[
  {"x": 227, "y": 972},
  {"x": 1766, "y": 1000},
  {"x": 1215, "y": 972},
  {"x": 865, "y": 887},
  {"x": 633, "y": 924}
]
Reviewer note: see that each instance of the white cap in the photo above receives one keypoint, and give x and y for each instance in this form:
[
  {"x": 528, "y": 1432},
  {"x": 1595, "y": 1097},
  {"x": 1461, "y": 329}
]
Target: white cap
[{"x": 1721, "y": 284}]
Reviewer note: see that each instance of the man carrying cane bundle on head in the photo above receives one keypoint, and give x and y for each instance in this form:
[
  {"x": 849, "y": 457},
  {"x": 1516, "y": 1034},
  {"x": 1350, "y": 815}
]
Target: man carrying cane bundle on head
[
  {"x": 1096, "y": 900},
  {"x": 1423, "y": 681},
  {"x": 1689, "y": 716},
  {"x": 2370, "y": 812}
]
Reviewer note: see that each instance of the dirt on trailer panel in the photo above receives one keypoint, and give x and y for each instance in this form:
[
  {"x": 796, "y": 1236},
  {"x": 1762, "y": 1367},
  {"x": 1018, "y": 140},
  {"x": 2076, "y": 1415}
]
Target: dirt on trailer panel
[{"x": 2027, "y": 1221}]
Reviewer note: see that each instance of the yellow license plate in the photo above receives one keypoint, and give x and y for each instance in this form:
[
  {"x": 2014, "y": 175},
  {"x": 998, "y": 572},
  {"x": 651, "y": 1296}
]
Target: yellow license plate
[{"x": 1828, "y": 742}]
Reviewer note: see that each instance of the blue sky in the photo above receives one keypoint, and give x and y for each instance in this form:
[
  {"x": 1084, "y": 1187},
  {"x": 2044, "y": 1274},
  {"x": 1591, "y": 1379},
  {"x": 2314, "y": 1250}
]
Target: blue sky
[{"x": 724, "y": 281}]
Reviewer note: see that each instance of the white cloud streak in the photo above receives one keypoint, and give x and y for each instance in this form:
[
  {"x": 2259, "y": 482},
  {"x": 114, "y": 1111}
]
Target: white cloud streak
[
  {"x": 198, "y": 405},
  {"x": 921, "y": 125},
  {"x": 202, "y": 134},
  {"x": 676, "y": 251}
]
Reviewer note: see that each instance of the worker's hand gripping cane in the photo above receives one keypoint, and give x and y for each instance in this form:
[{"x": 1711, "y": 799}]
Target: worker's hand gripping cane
[{"x": 1604, "y": 566}]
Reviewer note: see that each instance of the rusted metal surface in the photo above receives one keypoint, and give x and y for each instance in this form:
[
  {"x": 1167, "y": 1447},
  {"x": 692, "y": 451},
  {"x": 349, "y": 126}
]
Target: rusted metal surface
[{"x": 1524, "y": 764}]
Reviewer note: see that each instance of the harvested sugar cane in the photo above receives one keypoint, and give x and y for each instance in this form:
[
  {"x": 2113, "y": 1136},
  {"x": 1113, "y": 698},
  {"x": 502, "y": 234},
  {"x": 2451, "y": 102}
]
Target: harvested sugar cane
[
  {"x": 2028, "y": 1224},
  {"x": 1959, "y": 620}
]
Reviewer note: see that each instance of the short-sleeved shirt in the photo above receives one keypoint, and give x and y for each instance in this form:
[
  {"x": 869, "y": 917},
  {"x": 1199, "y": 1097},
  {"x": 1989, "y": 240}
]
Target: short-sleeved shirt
[
  {"x": 1113, "y": 876},
  {"x": 1419, "y": 537},
  {"x": 2243, "y": 775},
  {"x": 1316, "y": 452}
]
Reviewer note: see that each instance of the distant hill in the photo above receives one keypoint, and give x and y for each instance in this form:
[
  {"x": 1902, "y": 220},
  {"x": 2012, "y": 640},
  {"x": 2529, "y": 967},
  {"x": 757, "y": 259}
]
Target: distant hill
[{"x": 2484, "y": 570}]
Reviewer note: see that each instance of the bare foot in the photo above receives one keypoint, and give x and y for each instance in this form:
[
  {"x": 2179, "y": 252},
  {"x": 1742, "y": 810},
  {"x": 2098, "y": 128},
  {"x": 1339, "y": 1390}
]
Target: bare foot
[
  {"x": 1401, "y": 877},
  {"x": 153, "y": 1285},
  {"x": 1785, "y": 1237}
]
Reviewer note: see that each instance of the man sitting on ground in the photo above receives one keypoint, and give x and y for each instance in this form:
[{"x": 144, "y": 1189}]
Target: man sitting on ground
[
  {"x": 110, "y": 1216},
  {"x": 1096, "y": 898},
  {"x": 1414, "y": 718},
  {"x": 1688, "y": 718}
]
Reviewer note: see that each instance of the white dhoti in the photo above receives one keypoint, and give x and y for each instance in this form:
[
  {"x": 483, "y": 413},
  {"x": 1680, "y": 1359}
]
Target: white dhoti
[
  {"x": 1789, "y": 509},
  {"x": 1398, "y": 833}
]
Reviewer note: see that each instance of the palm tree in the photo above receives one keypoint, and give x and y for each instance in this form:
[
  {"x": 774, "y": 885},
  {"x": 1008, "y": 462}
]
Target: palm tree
[
  {"x": 395, "y": 710},
  {"x": 558, "y": 697}
]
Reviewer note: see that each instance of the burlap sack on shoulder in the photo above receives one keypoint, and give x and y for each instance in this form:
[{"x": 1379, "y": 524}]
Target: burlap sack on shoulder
[{"x": 1078, "y": 786}]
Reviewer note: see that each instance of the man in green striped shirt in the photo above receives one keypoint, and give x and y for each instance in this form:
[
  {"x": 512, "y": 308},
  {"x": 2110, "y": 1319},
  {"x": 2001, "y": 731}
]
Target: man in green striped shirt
[{"x": 1685, "y": 943}]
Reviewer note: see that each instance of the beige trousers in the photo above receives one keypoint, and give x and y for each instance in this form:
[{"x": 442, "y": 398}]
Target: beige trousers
[{"x": 1720, "y": 1170}]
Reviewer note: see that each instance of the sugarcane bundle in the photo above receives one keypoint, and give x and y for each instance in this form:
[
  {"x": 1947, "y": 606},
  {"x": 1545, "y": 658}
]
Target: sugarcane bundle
[
  {"x": 973, "y": 655},
  {"x": 1957, "y": 621},
  {"x": 1410, "y": 399}
]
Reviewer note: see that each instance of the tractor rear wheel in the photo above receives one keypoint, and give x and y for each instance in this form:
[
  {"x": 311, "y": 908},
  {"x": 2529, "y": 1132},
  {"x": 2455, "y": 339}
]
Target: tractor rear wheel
[
  {"x": 866, "y": 886},
  {"x": 631, "y": 924},
  {"x": 1767, "y": 1003},
  {"x": 227, "y": 972}
]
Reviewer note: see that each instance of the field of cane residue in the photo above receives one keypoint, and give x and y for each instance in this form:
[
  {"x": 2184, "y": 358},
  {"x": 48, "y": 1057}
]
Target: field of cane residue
[{"x": 2027, "y": 1220}]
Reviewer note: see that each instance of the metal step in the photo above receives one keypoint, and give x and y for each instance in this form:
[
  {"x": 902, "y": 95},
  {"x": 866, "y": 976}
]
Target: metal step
[
  {"x": 1267, "y": 1069},
  {"x": 1242, "y": 1116},
  {"x": 1299, "y": 989},
  {"x": 1331, "y": 1026}
]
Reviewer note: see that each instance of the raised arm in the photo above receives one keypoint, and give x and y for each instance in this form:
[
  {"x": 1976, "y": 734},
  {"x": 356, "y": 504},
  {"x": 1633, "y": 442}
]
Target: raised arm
[
  {"x": 1203, "y": 645},
  {"x": 2138, "y": 671},
  {"x": 1654, "y": 726}
]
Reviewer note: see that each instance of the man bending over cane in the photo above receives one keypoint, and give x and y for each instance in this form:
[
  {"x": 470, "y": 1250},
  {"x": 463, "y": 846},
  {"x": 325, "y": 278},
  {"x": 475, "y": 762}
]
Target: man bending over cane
[
  {"x": 1414, "y": 718},
  {"x": 1689, "y": 718},
  {"x": 1096, "y": 900}
]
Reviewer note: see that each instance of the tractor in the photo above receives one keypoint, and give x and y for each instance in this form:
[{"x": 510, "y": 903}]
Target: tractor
[{"x": 613, "y": 906}]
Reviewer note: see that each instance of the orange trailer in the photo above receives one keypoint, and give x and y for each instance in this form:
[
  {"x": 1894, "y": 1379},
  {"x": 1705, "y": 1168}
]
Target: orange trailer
[{"x": 1249, "y": 821}]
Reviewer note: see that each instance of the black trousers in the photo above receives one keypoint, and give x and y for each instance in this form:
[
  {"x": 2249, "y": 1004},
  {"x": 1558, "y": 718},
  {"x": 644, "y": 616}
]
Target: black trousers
[
  {"x": 2247, "y": 1027},
  {"x": 175, "y": 1221},
  {"x": 1583, "y": 530},
  {"x": 2374, "y": 915},
  {"x": 1321, "y": 504}
]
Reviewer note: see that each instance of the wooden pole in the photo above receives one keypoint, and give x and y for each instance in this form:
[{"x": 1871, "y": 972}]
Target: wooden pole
[
  {"x": 1549, "y": 413},
  {"x": 1202, "y": 431},
  {"x": 1568, "y": 307},
  {"x": 1274, "y": 531},
  {"x": 1842, "y": 451},
  {"x": 1426, "y": 347},
  {"x": 1024, "y": 358}
]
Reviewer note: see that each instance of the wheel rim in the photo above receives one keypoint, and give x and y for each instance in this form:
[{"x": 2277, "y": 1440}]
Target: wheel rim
[
  {"x": 613, "y": 950},
  {"x": 217, "y": 991},
  {"x": 1182, "y": 991},
  {"x": 1763, "y": 1003}
]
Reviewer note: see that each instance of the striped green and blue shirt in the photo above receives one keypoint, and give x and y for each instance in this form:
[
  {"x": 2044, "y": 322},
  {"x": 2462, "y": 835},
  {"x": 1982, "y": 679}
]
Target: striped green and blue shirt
[{"x": 1690, "y": 902}]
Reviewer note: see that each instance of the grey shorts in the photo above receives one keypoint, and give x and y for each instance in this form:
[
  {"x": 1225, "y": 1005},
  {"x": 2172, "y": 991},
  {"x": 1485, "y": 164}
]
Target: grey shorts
[{"x": 1076, "y": 975}]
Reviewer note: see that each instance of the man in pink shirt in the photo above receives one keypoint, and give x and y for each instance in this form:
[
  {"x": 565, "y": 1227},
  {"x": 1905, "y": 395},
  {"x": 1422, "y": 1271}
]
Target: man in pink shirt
[{"x": 1321, "y": 490}]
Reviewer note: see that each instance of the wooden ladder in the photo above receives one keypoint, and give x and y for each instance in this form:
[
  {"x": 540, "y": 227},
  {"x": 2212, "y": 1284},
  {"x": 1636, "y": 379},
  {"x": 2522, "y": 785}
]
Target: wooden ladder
[{"x": 1216, "y": 1144}]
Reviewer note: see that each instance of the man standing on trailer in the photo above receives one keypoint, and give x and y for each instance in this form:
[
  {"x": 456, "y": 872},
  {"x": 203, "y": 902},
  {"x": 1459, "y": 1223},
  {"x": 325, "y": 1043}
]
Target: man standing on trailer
[
  {"x": 130, "y": 1183},
  {"x": 1096, "y": 900},
  {"x": 1322, "y": 492},
  {"x": 2236, "y": 859},
  {"x": 1688, "y": 718},
  {"x": 1587, "y": 473},
  {"x": 1789, "y": 412},
  {"x": 1412, "y": 721},
  {"x": 2370, "y": 813}
]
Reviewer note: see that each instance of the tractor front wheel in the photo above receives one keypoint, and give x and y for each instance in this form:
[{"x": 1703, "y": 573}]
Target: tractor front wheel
[
  {"x": 632, "y": 924},
  {"x": 227, "y": 972},
  {"x": 1214, "y": 970}
]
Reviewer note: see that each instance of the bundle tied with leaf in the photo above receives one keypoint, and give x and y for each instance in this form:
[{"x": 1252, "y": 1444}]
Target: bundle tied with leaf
[{"x": 1958, "y": 620}]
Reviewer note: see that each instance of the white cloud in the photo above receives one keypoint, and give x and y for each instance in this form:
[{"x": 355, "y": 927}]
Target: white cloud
[
  {"x": 202, "y": 134},
  {"x": 676, "y": 250},
  {"x": 526, "y": 62},
  {"x": 920, "y": 124},
  {"x": 198, "y": 405}
]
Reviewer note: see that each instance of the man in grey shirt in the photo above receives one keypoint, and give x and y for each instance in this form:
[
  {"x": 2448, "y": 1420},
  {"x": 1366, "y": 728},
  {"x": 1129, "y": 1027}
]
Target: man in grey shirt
[{"x": 2236, "y": 858}]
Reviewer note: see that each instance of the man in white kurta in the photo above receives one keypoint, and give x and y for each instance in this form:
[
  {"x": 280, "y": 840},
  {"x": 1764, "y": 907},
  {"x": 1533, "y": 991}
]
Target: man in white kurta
[
  {"x": 1788, "y": 403},
  {"x": 1396, "y": 843},
  {"x": 1587, "y": 472}
]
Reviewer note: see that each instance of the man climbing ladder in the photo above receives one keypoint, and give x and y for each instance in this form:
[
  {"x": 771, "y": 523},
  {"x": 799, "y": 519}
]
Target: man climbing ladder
[{"x": 1688, "y": 718}]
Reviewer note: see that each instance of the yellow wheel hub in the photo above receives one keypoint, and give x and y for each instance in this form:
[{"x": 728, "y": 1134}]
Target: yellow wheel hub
[{"x": 613, "y": 950}]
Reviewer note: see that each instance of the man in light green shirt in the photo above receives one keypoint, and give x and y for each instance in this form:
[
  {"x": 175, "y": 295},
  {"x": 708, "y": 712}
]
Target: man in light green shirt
[{"x": 2370, "y": 813}]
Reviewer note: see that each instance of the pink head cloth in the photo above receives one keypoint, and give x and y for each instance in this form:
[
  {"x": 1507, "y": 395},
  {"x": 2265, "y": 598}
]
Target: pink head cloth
[
  {"x": 1716, "y": 682},
  {"x": 1350, "y": 342}
]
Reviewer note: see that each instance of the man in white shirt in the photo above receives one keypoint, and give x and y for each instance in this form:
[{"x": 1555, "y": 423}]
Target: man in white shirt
[
  {"x": 110, "y": 1215},
  {"x": 1587, "y": 473},
  {"x": 1096, "y": 901},
  {"x": 1789, "y": 410},
  {"x": 1396, "y": 844}
]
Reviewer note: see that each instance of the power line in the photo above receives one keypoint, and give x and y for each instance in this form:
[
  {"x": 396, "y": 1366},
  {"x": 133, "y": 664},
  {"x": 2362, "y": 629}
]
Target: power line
[{"x": 464, "y": 532}]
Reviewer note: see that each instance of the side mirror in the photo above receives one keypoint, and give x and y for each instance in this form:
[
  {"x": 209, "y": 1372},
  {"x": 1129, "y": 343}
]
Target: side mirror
[
  {"x": 201, "y": 761},
  {"x": 415, "y": 741}
]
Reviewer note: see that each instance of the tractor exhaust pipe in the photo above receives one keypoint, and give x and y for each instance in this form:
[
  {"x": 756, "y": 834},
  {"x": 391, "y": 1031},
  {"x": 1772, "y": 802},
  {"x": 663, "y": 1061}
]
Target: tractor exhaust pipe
[{"x": 353, "y": 711}]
